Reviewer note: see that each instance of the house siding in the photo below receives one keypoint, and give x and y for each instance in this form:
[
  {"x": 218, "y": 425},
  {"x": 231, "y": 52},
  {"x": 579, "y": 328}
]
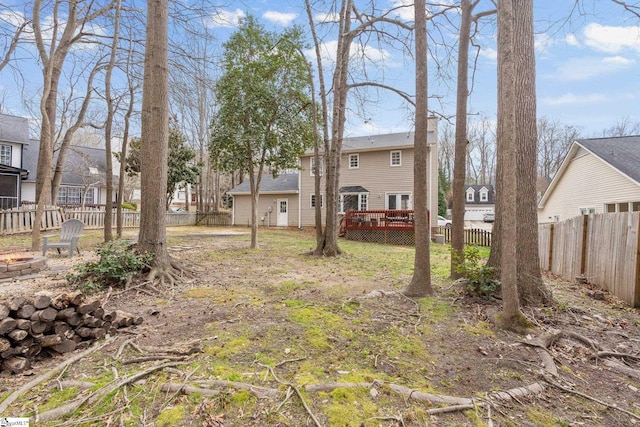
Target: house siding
[
  {"x": 375, "y": 174},
  {"x": 242, "y": 209},
  {"x": 587, "y": 182}
]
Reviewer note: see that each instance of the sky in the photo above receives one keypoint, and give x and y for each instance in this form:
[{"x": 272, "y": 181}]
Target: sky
[{"x": 587, "y": 64}]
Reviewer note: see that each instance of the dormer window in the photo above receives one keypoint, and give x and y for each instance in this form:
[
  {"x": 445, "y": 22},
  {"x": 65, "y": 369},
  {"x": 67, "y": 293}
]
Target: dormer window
[
  {"x": 470, "y": 195},
  {"x": 484, "y": 195}
]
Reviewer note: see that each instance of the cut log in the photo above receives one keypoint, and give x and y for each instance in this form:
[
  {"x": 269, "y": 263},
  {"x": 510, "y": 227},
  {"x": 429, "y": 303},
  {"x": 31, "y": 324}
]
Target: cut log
[
  {"x": 41, "y": 301},
  {"x": 38, "y": 327},
  {"x": 60, "y": 327},
  {"x": 75, "y": 319},
  {"x": 16, "y": 364},
  {"x": 16, "y": 303},
  {"x": 25, "y": 311},
  {"x": 4, "y": 311},
  {"x": 109, "y": 316},
  {"x": 23, "y": 324},
  {"x": 66, "y": 346},
  {"x": 7, "y": 325},
  {"x": 18, "y": 334},
  {"x": 83, "y": 332},
  {"x": 65, "y": 313},
  {"x": 5, "y": 344},
  {"x": 89, "y": 307},
  {"x": 49, "y": 340},
  {"x": 98, "y": 313},
  {"x": 45, "y": 315}
]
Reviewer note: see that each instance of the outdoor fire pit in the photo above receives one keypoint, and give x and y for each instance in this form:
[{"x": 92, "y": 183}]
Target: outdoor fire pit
[{"x": 15, "y": 265}]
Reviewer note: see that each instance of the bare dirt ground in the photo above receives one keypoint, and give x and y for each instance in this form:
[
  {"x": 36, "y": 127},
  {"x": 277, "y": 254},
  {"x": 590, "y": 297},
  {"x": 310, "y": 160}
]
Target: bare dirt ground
[{"x": 284, "y": 339}]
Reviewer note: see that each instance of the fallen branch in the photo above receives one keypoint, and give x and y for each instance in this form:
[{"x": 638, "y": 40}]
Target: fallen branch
[
  {"x": 154, "y": 358},
  {"x": 259, "y": 392},
  {"x": 591, "y": 398},
  {"x": 188, "y": 389},
  {"x": 98, "y": 394},
  {"x": 41, "y": 378}
]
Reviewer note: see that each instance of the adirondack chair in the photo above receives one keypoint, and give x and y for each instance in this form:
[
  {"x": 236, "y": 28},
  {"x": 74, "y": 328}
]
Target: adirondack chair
[{"x": 69, "y": 235}]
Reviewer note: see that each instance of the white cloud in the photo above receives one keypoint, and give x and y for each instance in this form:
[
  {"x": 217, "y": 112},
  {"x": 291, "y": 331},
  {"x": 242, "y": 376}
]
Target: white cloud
[
  {"x": 612, "y": 39},
  {"x": 225, "y": 18},
  {"x": 404, "y": 9},
  {"x": 326, "y": 18},
  {"x": 489, "y": 53},
  {"x": 13, "y": 18},
  {"x": 328, "y": 51},
  {"x": 572, "y": 40},
  {"x": 580, "y": 69},
  {"x": 570, "y": 99},
  {"x": 279, "y": 17}
]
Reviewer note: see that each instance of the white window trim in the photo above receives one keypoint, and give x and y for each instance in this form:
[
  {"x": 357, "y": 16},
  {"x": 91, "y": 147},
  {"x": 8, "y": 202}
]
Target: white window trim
[
  {"x": 312, "y": 196},
  {"x": 357, "y": 157},
  {"x": 392, "y": 193},
  {"x": 8, "y": 148},
  {"x": 311, "y": 159},
  {"x": 587, "y": 210},
  {"x": 471, "y": 195},
  {"x": 484, "y": 196},
  {"x": 391, "y": 158},
  {"x": 341, "y": 201}
]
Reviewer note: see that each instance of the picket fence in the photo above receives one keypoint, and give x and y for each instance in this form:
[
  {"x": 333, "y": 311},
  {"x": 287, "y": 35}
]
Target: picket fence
[
  {"x": 602, "y": 248},
  {"x": 20, "y": 220}
]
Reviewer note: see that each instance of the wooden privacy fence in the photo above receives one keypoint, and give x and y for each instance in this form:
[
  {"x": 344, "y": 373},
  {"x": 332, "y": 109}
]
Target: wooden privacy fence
[
  {"x": 604, "y": 248},
  {"x": 20, "y": 220}
]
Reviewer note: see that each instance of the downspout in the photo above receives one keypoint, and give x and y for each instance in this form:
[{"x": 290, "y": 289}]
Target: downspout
[{"x": 299, "y": 201}]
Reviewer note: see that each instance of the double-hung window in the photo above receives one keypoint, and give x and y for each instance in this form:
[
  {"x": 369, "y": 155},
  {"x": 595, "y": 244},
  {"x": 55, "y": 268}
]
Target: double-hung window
[
  {"x": 396, "y": 158},
  {"x": 5, "y": 155},
  {"x": 354, "y": 161}
]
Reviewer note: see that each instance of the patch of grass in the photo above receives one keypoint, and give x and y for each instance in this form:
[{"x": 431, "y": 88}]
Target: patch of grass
[
  {"x": 482, "y": 329},
  {"x": 172, "y": 417},
  {"x": 545, "y": 419},
  {"x": 350, "y": 406}
]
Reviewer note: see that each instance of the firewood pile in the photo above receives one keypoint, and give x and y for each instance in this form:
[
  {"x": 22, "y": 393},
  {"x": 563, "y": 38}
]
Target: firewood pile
[{"x": 46, "y": 325}]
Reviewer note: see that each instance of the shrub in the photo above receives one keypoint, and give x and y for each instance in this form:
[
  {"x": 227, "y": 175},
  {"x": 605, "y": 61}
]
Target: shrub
[
  {"x": 480, "y": 279},
  {"x": 117, "y": 264},
  {"x": 129, "y": 206}
]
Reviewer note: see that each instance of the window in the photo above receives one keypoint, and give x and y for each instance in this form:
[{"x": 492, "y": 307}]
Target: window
[
  {"x": 470, "y": 195},
  {"x": 399, "y": 201},
  {"x": 396, "y": 158},
  {"x": 354, "y": 202},
  {"x": 484, "y": 195},
  {"x": 74, "y": 196},
  {"x": 5, "y": 155},
  {"x": 587, "y": 211},
  {"x": 354, "y": 161},
  {"x": 312, "y": 164},
  {"x": 313, "y": 201},
  {"x": 182, "y": 195},
  {"x": 622, "y": 207}
]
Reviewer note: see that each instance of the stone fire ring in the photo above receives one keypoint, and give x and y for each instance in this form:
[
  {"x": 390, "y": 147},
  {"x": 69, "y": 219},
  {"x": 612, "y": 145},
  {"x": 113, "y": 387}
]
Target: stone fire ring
[{"x": 21, "y": 266}]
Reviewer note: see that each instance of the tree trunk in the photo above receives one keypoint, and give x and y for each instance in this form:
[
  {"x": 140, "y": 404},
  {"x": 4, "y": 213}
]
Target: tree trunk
[
  {"x": 420, "y": 284},
  {"x": 460, "y": 160},
  {"x": 155, "y": 136},
  {"x": 531, "y": 288},
  {"x": 506, "y": 145}
]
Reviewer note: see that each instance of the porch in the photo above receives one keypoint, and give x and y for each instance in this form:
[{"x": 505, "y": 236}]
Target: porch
[{"x": 379, "y": 226}]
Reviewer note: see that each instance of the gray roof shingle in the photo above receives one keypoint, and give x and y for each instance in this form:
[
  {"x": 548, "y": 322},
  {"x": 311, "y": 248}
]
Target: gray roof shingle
[
  {"x": 284, "y": 183},
  {"x": 623, "y": 153},
  {"x": 14, "y": 129}
]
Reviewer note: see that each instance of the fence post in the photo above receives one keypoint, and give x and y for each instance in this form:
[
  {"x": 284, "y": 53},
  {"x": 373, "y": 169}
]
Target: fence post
[
  {"x": 551, "y": 232},
  {"x": 636, "y": 294},
  {"x": 583, "y": 253}
]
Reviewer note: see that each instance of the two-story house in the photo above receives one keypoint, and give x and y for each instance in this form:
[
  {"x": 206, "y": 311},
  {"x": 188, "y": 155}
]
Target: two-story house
[
  {"x": 14, "y": 135},
  {"x": 376, "y": 173},
  {"x": 479, "y": 202}
]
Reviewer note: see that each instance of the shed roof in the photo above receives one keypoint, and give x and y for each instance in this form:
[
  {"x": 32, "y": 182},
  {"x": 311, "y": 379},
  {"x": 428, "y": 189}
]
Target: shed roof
[{"x": 283, "y": 183}]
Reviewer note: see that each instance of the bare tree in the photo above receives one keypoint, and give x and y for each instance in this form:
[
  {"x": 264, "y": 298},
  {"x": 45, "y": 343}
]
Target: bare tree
[
  {"x": 52, "y": 54},
  {"x": 155, "y": 142},
  {"x": 420, "y": 284},
  {"x": 554, "y": 140},
  {"x": 531, "y": 288},
  {"x": 507, "y": 160},
  {"x": 19, "y": 25},
  {"x": 461, "y": 136},
  {"x": 622, "y": 127}
]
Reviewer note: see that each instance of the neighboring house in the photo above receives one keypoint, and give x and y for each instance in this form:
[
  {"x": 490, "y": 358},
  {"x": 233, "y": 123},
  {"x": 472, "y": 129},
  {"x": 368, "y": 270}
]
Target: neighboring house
[
  {"x": 598, "y": 175},
  {"x": 277, "y": 204},
  {"x": 14, "y": 135},
  {"x": 479, "y": 200},
  {"x": 376, "y": 173},
  {"x": 83, "y": 180}
]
